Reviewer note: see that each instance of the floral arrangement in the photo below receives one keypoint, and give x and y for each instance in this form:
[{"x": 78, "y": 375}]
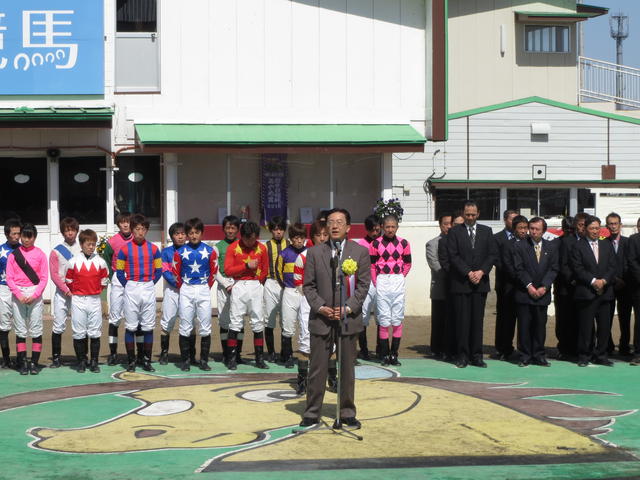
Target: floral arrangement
[
  {"x": 349, "y": 266},
  {"x": 102, "y": 244},
  {"x": 388, "y": 207}
]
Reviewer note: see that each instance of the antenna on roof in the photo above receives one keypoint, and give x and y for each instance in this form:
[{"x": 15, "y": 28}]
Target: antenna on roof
[{"x": 619, "y": 24}]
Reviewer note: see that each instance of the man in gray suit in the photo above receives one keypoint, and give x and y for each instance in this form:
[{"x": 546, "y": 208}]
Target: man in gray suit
[
  {"x": 325, "y": 313},
  {"x": 438, "y": 291}
]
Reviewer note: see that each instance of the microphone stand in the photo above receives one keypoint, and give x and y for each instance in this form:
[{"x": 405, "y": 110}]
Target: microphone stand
[{"x": 337, "y": 280}]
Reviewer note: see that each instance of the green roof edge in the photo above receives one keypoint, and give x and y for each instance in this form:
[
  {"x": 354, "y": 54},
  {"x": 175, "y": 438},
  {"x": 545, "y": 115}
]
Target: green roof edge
[{"x": 544, "y": 101}]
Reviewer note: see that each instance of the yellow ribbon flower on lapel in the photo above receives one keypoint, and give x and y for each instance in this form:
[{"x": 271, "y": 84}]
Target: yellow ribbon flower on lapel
[{"x": 349, "y": 266}]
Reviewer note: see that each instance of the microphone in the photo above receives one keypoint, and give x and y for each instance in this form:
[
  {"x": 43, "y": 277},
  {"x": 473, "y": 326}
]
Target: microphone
[{"x": 337, "y": 244}]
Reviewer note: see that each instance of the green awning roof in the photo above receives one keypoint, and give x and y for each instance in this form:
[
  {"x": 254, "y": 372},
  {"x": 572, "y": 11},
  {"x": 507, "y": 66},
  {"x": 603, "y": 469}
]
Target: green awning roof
[
  {"x": 388, "y": 137},
  {"x": 56, "y": 117}
]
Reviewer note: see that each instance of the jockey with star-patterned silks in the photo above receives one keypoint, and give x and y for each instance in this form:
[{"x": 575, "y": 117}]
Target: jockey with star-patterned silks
[
  {"x": 196, "y": 265},
  {"x": 171, "y": 294},
  {"x": 390, "y": 264}
]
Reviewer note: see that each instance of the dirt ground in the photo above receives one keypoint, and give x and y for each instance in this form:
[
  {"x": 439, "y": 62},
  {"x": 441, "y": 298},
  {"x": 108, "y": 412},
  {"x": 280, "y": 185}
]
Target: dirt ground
[{"x": 415, "y": 341}]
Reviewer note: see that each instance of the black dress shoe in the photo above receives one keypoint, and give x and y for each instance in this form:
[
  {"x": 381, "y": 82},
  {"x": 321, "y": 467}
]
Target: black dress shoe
[
  {"x": 308, "y": 422},
  {"x": 604, "y": 362},
  {"x": 351, "y": 422},
  {"x": 479, "y": 363},
  {"x": 522, "y": 363},
  {"x": 635, "y": 361},
  {"x": 542, "y": 362},
  {"x": 583, "y": 363},
  {"x": 204, "y": 366},
  {"x": 146, "y": 366},
  {"x": 461, "y": 363}
]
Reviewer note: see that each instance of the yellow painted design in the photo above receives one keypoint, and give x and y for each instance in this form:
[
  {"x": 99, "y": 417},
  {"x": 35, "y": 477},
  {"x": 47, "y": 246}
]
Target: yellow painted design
[
  {"x": 433, "y": 422},
  {"x": 157, "y": 263},
  {"x": 288, "y": 267},
  {"x": 120, "y": 264},
  {"x": 238, "y": 250}
]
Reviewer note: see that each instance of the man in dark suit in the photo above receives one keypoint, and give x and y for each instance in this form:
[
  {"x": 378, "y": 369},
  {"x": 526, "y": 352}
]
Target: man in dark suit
[
  {"x": 472, "y": 253},
  {"x": 450, "y": 340},
  {"x": 566, "y": 314},
  {"x": 326, "y": 311},
  {"x": 505, "y": 306},
  {"x": 438, "y": 290},
  {"x": 593, "y": 262},
  {"x": 622, "y": 288},
  {"x": 536, "y": 265},
  {"x": 633, "y": 264}
]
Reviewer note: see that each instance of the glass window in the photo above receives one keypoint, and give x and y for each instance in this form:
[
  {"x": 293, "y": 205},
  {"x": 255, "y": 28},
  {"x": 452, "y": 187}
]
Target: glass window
[
  {"x": 554, "y": 202},
  {"x": 586, "y": 199},
  {"x": 83, "y": 189},
  {"x": 356, "y": 193},
  {"x": 137, "y": 186},
  {"x": 488, "y": 200},
  {"x": 245, "y": 186},
  {"x": 523, "y": 200},
  {"x": 202, "y": 187},
  {"x": 547, "y": 38},
  {"x": 24, "y": 190},
  {"x": 449, "y": 200},
  {"x": 309, "y": 184},
  {"x": 136, "y": 16}
]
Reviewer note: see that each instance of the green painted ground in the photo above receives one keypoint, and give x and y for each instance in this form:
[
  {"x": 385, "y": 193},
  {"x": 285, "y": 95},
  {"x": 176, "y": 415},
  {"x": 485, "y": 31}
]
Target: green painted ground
[{"x": 17, "y": 456}]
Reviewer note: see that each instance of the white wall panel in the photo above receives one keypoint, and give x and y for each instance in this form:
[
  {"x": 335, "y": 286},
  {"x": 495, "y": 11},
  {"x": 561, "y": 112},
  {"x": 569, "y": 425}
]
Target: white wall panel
[{"x": 251, "y": 53}]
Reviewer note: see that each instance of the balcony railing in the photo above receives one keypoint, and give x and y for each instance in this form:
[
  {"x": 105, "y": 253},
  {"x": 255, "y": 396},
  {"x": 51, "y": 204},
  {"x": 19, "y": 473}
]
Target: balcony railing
[{"x": 609, "y": 82}]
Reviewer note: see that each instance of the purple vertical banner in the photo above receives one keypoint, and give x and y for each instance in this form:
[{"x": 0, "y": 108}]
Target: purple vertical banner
[{"x": 273, "y": 187}]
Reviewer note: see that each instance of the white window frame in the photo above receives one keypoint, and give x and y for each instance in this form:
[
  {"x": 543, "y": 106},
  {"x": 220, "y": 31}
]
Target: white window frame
[{"x": 568, "y": 27}]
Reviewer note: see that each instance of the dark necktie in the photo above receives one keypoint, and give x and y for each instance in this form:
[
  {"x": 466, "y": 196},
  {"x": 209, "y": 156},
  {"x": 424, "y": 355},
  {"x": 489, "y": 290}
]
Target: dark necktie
[{"x": 472, "y": 236}]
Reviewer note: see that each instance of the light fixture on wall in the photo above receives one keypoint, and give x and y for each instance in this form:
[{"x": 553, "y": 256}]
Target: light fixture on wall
[{"x": 503, "y": 39}]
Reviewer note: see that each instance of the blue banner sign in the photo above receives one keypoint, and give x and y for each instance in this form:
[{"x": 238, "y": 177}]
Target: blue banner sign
[{"x": 51, "y": 47}]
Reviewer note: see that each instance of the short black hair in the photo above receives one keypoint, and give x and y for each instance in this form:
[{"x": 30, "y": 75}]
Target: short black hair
[
  {"x": 567, "y": 223},
  {"x": 232, "y": 219},
  {"x": 175, "y": 228},
  {"x": 371, "y": 221},
  {"x": 580, "y": 216},
  {"x": 539, "y": 219},
  {"x": 390, "y": 216},
  {"x": 591, "y": 219},
  {"x": 443, "y": 216},
  {"x": 193, "y": 224},
  {"x": 138, "y": 219},
  {"x": 297, "y": 230},
  {"x": 317, "y": 227},
  {"x": 508, "y": 212},
  {"x": 614, "y": 215},
  {"x": 469, "y": 203},
  {"x": 123, "y": 217},
  {"x": 323, "y": 214},
  {"x": 12, "y": 223},
  {"x": 519, "y": 219},
  {"x": 28, "y": 230},
  {"x": 456, "y": 214},
  {"x": 87, "y": 235},
  {"x": 249, "y": 228},
  {"x": 277, "y": 222},
  {"x": 343, "y": 211},
  {"x": 69, "y": 223}
]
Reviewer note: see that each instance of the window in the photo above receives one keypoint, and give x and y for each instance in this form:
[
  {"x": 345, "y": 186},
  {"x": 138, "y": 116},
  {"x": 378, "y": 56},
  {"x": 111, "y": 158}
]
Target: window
[
  {"x": 202, "y": 195},
  {"x": 586, "y": 200},
  {"x": 24, "y": 190},
  {"x": 543, "y": 202},
  {"x": 83, "y": 189},
  {"x": 136, "y": 16},
  {"x": 356, "y": 193},
  {"x": 547, "y": 39},
  {"x": 137, "y": 186},
  {"x": 450, "y": 200},
  {"x": 309, "y": 184},
  {"x": 137, "y": 46}
]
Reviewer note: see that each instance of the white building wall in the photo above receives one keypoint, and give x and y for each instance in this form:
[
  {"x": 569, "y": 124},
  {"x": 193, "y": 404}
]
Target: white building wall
[{"x": 286, "y": 61}]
